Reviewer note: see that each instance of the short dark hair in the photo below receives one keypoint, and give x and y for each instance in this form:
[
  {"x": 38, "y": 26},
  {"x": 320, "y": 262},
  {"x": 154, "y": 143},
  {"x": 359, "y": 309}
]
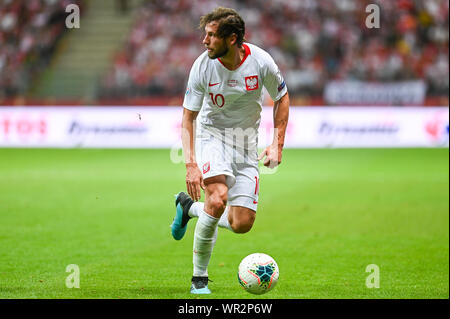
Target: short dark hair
[{"x": 229, "y": 22}]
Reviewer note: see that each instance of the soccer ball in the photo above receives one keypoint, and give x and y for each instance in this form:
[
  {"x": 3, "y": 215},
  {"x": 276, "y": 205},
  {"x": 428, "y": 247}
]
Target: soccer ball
[{"x": 258, "y": 273}]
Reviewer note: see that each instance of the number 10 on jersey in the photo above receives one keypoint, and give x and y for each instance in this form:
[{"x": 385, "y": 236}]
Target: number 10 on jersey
[{"x": 217, "y": 99}]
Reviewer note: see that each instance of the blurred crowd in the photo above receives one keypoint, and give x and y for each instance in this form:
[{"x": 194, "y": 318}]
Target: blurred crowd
[
  {"x": 311, "y": 41},
  {"x": 29, "y": 30}
]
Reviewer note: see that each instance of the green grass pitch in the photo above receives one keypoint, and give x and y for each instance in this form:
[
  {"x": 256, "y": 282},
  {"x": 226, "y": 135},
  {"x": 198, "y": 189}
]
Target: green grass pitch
[{"x": 324, "y": 216}]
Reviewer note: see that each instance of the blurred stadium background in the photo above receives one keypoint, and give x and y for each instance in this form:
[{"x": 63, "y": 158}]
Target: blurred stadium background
[
  {"x": 118, "y": 82},
  {"x": 138, "y": 53},
  {"x": 133, "y": 52}
]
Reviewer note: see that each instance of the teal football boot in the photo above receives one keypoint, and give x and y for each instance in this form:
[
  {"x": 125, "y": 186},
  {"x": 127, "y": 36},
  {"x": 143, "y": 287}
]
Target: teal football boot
[
  {"x": 200, "y": 285},
  {"x": 179, "y": 225}
]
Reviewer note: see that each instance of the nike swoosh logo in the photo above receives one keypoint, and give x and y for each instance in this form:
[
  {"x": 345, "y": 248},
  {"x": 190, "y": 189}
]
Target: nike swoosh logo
[{"x": 212, "y": 84}]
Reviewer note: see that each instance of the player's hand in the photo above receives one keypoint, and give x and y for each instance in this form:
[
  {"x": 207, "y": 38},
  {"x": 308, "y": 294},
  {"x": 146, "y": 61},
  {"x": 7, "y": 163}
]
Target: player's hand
[
  {"x": 194, "y": 181},
  {"x": 273, "y": 155}
]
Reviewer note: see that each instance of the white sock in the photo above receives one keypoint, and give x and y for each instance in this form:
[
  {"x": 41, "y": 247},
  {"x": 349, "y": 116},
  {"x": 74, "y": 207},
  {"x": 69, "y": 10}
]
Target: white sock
[
  {"x": 223, "y": 221},
  {"x": 196, "y": 209},
  {"x": 205, "y": 237}
]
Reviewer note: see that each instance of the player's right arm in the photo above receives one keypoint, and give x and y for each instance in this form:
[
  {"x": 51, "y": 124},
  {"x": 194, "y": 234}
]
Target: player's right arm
[
  {"x": 193, "y": 101},
  {"x": 194, "y": 178}
]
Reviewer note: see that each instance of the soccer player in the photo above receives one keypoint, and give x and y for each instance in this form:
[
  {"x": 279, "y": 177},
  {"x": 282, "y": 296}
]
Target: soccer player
[{"x": 225, "y": 88}]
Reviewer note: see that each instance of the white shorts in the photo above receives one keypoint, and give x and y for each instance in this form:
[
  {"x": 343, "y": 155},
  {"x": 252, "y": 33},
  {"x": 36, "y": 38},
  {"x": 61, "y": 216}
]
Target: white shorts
[{"x": 215, "y": 157}]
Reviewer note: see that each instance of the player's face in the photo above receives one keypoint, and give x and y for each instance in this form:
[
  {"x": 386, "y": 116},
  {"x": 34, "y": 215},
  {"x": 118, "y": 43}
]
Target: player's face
[{"x": 217, "y": 47}]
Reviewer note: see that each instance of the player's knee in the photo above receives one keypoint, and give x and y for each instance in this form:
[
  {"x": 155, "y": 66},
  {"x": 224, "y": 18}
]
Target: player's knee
[
  {"x": 243, "y": 225},
  {"x": 216, "y": 199},
  {"x": 217, "y": 203}
]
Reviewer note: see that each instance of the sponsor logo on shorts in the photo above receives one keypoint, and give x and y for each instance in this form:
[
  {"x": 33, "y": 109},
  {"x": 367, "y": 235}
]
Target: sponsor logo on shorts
[
  {"x": 206, "y": 167},
  {"x": 251, "y": 82}
]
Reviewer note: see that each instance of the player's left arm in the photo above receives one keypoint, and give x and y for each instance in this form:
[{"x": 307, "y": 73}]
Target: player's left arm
[{"x": 274, "y": 151}]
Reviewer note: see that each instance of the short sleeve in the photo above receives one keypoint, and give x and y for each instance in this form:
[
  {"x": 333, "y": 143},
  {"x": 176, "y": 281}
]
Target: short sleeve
[
  {"x": 274, "y": 81},
  {"x": 193, "y": 98}
]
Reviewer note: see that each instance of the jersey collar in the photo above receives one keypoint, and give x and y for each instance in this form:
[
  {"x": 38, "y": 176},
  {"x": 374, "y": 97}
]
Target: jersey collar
[{"x": 246, "y": 54}]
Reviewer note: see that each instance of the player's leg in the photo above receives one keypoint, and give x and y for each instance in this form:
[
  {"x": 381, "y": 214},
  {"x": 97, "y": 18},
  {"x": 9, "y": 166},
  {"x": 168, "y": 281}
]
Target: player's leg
[
  {"x": 212, "y": 163},
  {"x": 216, "y": 195},
  {"x": 243, "y": 198},
  {"x": 241, "y": 219},
  {"x": 197, "y": 207},
  {"x": 186, "y": 209},
  {"x": 205, "y": 233}
]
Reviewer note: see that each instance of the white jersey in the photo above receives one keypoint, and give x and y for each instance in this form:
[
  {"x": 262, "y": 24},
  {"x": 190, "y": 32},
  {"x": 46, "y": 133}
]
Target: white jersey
[{"x": 233, "y": 99}]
